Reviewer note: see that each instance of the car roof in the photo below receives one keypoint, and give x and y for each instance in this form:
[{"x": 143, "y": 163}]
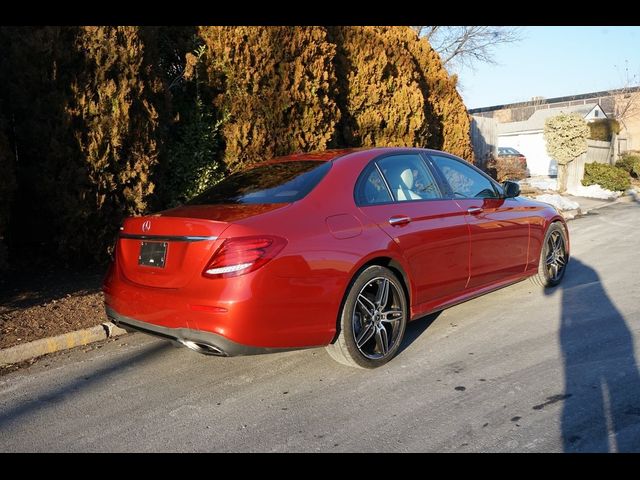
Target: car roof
[
  {"x": 333, "y": 154},
  {"x": 320, "y": 155}
]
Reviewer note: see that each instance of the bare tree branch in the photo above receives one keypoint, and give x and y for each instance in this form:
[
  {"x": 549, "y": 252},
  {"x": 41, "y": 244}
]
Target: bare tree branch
[
  {"x": 418, "y": 30},
  {"x": 627, "y": 103},
  {"x": 467, "y": 45},
  {"x": 430, "y": 32}
]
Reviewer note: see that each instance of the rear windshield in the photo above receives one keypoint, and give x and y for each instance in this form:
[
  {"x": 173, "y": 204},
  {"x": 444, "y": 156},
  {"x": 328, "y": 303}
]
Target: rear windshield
[{"x": 273, "y": 183}]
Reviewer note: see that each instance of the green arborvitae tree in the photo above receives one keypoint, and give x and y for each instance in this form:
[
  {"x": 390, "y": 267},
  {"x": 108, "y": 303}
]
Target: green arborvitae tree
[
  {"x": 275, "y": 89},
  {"x": 381, "y": 99},
  {"x": 395, "y": 91},
  {"x": 83, "y": 101},
  {"x": 98, "y": 116},
  {"x": 113, "y": 108},
  {"x": 450, "y": 125}
]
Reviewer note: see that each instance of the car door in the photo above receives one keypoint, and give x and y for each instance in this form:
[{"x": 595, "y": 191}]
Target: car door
[
  {"x": 401, "y": 195},
  {"x": 499, "y": 229}
]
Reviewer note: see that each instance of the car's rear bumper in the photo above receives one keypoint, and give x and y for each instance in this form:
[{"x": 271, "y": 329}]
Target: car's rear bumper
[
  {"x": 260, "y": 310},
  {"x": 198, "y": 340}
]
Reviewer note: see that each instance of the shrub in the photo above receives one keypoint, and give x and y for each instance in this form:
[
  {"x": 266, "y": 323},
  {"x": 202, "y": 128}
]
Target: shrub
[
  {"x": 380, "y": 98},
  {"x": 192, "y": 158},
  {"x": 607, "y": 176},
  {"x": 603, "y": 129},
  {"x": 193, "y": 162},
  {"x": 101, "y": 116},
  {"x": 275, "y": 88},
  {"x": 86, "y": 132},
  {"x": 448, "y": 121},
  {"x": 630, "y": 163},
  {"x": 286, "y": 89},
  {"x": 112, "y": 107},
  {"x": 506, "y": 168},
  {"x": 566, "y": 138}
]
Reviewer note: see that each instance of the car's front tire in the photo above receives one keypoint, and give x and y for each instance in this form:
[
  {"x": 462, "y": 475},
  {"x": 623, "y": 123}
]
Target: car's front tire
[
  {"x": 372, "y": 321},
  {"x": 554, "y": 257}
]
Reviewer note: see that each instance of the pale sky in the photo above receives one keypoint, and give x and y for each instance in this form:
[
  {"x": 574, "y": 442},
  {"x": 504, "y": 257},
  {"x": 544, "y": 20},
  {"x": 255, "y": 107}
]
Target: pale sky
[{"x": 553, "y": 62}]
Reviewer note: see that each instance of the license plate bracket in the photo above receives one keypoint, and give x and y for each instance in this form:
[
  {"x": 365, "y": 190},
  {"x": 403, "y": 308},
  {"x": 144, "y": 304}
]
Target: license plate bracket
[{"x": 153, "y": 254}]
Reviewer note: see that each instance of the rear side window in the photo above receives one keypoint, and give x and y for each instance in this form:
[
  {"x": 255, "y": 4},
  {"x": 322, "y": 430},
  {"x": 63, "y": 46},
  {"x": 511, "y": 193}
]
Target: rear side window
[
  {"x": 272, "y": 183},
  {"x": 371, "y": 189}
]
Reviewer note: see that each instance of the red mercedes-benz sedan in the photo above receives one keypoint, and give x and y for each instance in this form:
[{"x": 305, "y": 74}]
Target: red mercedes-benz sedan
[{"x": 339, "y": 249}]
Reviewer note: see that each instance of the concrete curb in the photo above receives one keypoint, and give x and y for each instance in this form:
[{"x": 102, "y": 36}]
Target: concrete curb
[
  {"x": 37, "y": 348},
  {"x": 571, "y": 214}
]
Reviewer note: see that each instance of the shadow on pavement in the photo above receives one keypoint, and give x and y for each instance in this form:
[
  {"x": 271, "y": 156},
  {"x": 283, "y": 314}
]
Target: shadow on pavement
[
  {"x": 601, "y": 410},
  {"x": 417, "y": 328},
  {"x": 61, "y": 393}
]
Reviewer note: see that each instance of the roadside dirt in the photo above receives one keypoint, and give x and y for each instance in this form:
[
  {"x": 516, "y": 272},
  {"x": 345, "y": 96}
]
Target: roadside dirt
[{"x": 39, "y": 304}]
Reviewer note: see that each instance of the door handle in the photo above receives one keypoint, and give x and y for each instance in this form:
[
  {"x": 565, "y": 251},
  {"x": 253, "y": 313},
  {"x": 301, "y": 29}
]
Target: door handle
[
  {"x": 399, "y": 220},
  {"x": 474, "y": 210}
]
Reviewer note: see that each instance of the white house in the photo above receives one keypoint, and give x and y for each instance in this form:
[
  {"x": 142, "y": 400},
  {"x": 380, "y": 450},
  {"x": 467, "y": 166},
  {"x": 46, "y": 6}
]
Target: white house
[{"x": 528, "y": 136}]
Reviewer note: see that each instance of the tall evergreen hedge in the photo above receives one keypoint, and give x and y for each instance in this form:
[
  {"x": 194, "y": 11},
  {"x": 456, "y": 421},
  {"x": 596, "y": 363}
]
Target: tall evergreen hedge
[
  {"x": 112, "y": 105},
  {"x": 449, "y": 121},
  {"x": 380, "y": 94},
  {"x": 115, "y": 121},
  {"x": 276, "y": 89}
]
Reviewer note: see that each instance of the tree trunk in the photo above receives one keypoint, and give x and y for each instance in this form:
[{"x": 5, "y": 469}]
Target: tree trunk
[{"x": 562, "y": 178}]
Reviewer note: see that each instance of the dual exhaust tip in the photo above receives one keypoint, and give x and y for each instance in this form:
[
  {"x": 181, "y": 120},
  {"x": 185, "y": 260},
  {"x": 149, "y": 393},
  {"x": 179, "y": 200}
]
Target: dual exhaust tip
[
  {"x": 200, "y": 347},
  {"x": 203, "y": 348}
]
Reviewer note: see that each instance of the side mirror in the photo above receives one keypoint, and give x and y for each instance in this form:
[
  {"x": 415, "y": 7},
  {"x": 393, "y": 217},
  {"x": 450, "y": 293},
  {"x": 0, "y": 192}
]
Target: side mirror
[{"x": 511, "y": 189}]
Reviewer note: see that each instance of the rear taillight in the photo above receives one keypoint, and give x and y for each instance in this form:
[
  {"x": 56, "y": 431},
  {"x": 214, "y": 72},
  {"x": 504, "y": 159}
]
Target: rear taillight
[{"x": 237, "y": 256}]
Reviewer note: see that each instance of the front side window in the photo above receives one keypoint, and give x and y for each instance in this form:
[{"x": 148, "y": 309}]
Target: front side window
[
  {"x": 408, "y": 178},
  {"x": 271, "y": 183},
  {"x": 464, "y": 181}
]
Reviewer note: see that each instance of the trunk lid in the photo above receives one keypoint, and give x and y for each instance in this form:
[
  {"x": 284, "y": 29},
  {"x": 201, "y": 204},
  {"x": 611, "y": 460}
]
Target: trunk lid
[
  {"x": 168, "y": 249},
  {"x": 187, "y": 244}
]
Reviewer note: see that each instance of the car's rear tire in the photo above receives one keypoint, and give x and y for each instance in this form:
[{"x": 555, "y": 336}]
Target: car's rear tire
[
  {"x": 371, "y": 323},
  {"x": 554, "y": 257}
]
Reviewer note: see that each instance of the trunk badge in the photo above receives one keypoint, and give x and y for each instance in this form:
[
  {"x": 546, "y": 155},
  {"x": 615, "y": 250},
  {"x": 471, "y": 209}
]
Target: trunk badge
[{"x": 146, "y": 226}]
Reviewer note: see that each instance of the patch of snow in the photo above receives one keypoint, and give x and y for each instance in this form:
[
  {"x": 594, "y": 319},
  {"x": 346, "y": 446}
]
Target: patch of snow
[
  {"x": 593, "y": 191},
  {"x": 543, "y": 183},
  {"x": 558, "y": 201}
]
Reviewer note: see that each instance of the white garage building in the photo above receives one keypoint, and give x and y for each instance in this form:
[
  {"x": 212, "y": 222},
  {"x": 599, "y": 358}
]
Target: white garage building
[{"x": 528, "y": 136}]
